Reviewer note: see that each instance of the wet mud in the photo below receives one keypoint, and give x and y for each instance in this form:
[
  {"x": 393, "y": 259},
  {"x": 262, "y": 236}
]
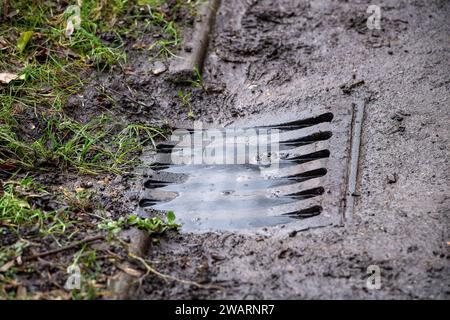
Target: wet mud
[{"x": 287, "y": 56}]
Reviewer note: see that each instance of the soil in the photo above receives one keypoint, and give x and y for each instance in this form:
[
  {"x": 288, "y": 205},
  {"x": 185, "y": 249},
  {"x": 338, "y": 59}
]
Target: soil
[
  {"x": 287, "y": 56},
  {"x": 291, "y": 55}
]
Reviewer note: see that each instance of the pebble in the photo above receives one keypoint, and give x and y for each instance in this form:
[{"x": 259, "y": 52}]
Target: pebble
[
  {"x": 392, "y": 178},
  {"x": 159, "y": 68}
]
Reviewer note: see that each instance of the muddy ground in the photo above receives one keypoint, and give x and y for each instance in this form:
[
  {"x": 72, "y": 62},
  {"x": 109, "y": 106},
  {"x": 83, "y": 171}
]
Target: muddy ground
[{"x": 288, "y": 55}]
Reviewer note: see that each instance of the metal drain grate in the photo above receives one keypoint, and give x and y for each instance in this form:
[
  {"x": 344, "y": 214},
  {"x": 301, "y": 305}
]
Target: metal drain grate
[{"x": 250, "y": 177}]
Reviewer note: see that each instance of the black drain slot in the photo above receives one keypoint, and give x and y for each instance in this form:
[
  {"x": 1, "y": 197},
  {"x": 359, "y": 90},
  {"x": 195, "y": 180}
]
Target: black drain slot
[
  {"x": 304, "y": 176},
  {"x": 151, "y": 184},
  {"x": 298, "y": 124},
  {"x": 286, "y": 126},
  {"x": 145, "y": 203},
  {"x": 164, "y": 148},
  {"x": 305, "y": 213},
  {"x": 309, "y": 157},
  {"x": 320, "y": 136},
  {"x": 306, "y": 194}
]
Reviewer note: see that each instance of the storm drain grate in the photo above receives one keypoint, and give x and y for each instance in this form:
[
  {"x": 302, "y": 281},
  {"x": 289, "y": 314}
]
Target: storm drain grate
[{"x": 249, "y": 177}]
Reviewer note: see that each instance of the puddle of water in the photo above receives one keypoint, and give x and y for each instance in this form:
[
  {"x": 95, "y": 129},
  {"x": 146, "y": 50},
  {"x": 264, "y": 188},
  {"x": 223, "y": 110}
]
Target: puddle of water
[
  {"x": 225, "y": 197},
  {"x": 230, "y": 197}
]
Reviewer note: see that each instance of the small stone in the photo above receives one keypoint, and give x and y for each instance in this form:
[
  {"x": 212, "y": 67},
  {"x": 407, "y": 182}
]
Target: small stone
[
  {"x": 159, "y": 68},
  {"x": 397, "y": 117},
  {"x": 392, "y": 178},
  {"x": 86, "y": 184},
  {"x": 293, "y": 233},
  {"x": 412, "y": 249}
]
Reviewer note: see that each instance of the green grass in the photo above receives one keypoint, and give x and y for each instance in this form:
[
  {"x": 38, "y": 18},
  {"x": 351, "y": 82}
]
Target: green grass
[
  {"x": 50, "y": 65},
  {"x": 185, "y": 97},
  {"x": 17, "y": 210},
  {"x": 172, "y": 38},
  {"x": 38, "y": 135},
  {"x": 152, "y": 226},
  {"x": 98, "y": 146}
]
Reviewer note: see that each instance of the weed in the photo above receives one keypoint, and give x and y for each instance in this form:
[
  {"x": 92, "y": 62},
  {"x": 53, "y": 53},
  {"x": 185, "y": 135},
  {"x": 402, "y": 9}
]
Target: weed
[
  {"x": 112, "y": 226},
  {"x": 17, "y": 209},
  {"x": 197, "y": 82},
  {"x": 153, "y": 225},
  {"x": 185, "y": 101}
]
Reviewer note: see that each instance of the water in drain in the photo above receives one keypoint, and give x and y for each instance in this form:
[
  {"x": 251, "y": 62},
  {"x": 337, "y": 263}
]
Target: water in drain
[{"x": 273, "y": 175}]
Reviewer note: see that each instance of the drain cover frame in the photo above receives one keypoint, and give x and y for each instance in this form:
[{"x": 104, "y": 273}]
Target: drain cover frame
[{"x": 335, "y": 182}]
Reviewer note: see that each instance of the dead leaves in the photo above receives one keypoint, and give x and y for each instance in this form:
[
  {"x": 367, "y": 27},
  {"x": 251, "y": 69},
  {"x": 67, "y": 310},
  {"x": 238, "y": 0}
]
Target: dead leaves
[
  {"x": 7, "y": 266},
  {"x": 7, "y": 77}
]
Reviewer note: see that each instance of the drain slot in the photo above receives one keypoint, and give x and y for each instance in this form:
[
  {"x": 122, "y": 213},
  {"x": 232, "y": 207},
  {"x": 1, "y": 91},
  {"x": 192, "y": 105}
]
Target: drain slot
[
  {"x": 151, "y": 184},
  {"x": 304, "y": 176},
  {"x": 306, "y": 194},
  {"x": 306, "y": 140},
  {"x": 305, "y": 213},
  {"x": 310, "y": 157},
  {"x": 145, "y": 203}
]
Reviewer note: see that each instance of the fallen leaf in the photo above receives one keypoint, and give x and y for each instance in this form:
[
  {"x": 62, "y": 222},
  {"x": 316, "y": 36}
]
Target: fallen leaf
[
  {"x": 13, "y": 14},
  {"x": 3, "y": 43},
  {"x": 128, "y": 71},
  {"x": 132, "y": 272},
  {"x": 8, "y": 166},
  {"x": 23, "y": 204},
  {"x": 69, "y": 28},
  {"x": 23, "y": 40},
  {"x": 6, "y": 77},
  {"x": 138, "y": 46},
  {"x": 7, "y": 266}
]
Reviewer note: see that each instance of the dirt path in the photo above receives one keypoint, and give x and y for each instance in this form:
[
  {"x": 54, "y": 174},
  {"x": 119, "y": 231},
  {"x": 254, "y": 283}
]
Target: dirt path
[{"x": 297, "y": 54}]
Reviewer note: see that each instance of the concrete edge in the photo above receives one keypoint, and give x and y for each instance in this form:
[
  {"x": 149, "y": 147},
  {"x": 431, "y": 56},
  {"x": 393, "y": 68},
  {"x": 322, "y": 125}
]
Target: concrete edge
[{"x": 184, "y": 67}]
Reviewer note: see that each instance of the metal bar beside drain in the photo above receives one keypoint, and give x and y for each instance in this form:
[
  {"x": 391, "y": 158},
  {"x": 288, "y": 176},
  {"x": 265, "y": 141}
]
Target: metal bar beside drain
[{"x": 354, "y": 160}]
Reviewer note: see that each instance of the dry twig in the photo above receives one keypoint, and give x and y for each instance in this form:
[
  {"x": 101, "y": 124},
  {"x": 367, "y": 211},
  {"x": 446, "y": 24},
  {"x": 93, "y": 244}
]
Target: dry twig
[{"x": 169, "y": 277}]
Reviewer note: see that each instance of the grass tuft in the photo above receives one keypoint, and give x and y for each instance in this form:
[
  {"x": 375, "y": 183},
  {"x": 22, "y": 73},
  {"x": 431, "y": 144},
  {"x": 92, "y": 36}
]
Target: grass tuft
[
  {"x": 39, "y": 135},
  {"x": 18, "y": 211}
]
